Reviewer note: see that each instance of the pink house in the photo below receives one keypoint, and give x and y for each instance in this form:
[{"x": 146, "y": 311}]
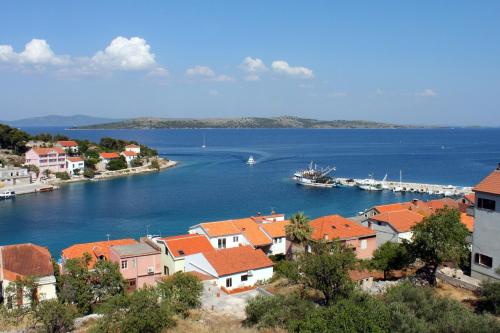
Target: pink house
[
  {"x": 140, "y": 263},
  {"x": 361, "y": 239},
  {"x": 53, "y": 159}
]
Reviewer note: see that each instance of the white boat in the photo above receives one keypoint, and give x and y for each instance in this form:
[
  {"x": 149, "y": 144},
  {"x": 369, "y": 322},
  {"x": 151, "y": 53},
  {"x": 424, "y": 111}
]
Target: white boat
[
  {"x": 384, "y": 183},
  {"x": 400, "y": 187},
  {"x": 204, "y": 145},
  {"x": 7, "y": 195},
  {"x": 369, "y": 184},
  {"x": 315, "y": 177},
  {"x": 251, "y": 161}
]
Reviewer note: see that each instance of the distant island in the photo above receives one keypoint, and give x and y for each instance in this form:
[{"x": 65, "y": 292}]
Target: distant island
[
  {"x": 245, "y": 122},
  {"x": 58, "y": 121}
]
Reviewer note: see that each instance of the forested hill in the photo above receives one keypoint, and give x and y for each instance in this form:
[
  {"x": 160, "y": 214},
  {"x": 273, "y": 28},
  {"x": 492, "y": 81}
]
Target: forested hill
[{"x": 249, "y": 122}]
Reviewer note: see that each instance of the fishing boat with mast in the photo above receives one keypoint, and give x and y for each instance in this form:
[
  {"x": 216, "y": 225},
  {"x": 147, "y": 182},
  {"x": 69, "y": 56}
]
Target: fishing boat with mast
[
  {"x": 314, "y": 177},
  {"x": 400, "y": 187},
  {"x": 369, "y": 184}
]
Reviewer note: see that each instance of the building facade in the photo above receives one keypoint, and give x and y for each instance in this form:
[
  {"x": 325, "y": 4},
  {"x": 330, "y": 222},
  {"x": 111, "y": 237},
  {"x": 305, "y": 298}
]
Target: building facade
[
  {"x": 75, "y": 165},
  {"x": 11, "y": 176},
  {"x": 52, "y": 159}
]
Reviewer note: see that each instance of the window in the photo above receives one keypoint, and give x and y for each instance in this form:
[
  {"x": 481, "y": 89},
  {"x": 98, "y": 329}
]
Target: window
[
  {"x": 165, "y": 270},
  {"x": 280, "y": 240},
  {"x": 221, "y": 243},
  {"x": 483, "y": 260},
  {"x": 124, "y": 264},
  {"x": 486, "y": 204},
  {"x": 363, "y": 244},
  {"x": 229, "y": 282},
  {"x": 244, "y": 278},
  {"x": 235, "y": 239}
]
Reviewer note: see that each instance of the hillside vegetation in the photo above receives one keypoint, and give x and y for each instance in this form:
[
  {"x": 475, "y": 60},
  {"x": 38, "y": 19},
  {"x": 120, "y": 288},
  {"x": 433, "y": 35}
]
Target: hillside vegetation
[{"x": 247, "y": 122}]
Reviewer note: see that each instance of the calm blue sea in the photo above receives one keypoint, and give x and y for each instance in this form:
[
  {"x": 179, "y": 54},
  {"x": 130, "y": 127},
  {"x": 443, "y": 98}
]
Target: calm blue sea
[{"x": 215, "y": 183}]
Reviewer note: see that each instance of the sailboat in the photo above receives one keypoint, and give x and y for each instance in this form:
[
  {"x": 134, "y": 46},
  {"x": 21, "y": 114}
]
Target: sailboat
[
  {"x": 204, "y": 145},
  {"x": 384, "y": 184},
  {"x": 400, "y": 187},
  {"x": 251, "y": 161}
]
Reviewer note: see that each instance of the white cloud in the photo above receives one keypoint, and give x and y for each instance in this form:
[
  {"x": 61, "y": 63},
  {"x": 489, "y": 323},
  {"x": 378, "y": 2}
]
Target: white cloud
[
  {"x": 125, "y": 54},
  {"x": 282, "y": 67},
  {"x": 253, "y": 65},
  {"x": 426, "y": 93},
  {"x": 158, "y": 72},
  {"x": 207, "y": 73},
  {"x": 36, "y": 52}
]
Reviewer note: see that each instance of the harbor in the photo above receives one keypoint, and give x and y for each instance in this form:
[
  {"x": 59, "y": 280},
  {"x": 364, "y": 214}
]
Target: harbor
[{"x": 399, "y": 186}]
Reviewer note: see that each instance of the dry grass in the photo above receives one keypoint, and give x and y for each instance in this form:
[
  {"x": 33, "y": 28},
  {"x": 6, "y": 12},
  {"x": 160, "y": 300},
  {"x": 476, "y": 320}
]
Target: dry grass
[{"x": 459, "y": 294}]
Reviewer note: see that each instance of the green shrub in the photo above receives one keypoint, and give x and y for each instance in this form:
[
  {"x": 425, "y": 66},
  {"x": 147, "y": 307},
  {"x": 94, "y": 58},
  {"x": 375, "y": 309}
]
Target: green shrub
[
  {"x": 489, "y": 297},
  {"x": 55, "y": 317},
  {"x": 117, "y": 164},
  {"x": 62, "y": 175},
  {"x": 182, "y": 291},
  {"x": 88, "y": 173},
  {"x": 136, "y": 162},
  {"x": 287, "y": 269}
]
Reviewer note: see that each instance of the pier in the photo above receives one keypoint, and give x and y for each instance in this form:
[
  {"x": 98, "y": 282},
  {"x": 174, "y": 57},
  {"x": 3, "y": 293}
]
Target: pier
[{"x": 396, "y": 186}]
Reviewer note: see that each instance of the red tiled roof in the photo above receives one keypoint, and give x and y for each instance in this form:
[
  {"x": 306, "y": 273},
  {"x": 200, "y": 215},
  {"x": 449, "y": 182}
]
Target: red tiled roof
[
  {"x": 24, "y": 260},
  {"x": 401, "y": 221},
  {"x": 470, "y": 197},
  {"x": 95, "y": 249},
  {"x": 129, "y": 153},
  {"x": 132, "y": 146},
  {"x": 109, "y": 156},
  {"x": 67, "y": 143},
  {"x": 468, "y": 221},
  {"x": 250, "y": 229},
  {"x": 490, "y": 184},
  {"x": 45, "y": 151},
  {"x": 184, "y": 245},
  {"x": 275, "y": 229},
  {"x": 222, "y": 228},
  {"x": 392, "y": 207},
  {"x": 74, "y": 159},
  {"x": 237, "y": 259},
  {"x": 336, "y": 226}
]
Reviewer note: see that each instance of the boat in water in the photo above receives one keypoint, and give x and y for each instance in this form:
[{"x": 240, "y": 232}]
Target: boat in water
[
  {"x": 400, "y": 187},
  {"x": 7, "y": 195},
  {"x": 369, "y": 184},
  {"x": 314, "y": 177},
  {"x": 251, "y": 161}
]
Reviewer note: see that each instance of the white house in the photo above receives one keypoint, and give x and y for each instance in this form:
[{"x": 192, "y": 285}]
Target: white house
[
  {"x": 21, "y": 261},
  {"x": 133, "y": 148},
  {"x": 234, "y": 268},
  {"x": 69, "y": 146},
  {"x": 105, "y": 158},
  {"x": 129, "y": 156},
  {"x": 75, "y": 165}
]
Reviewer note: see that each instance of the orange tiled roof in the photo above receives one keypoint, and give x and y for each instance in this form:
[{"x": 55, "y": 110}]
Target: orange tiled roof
[
  {"x": 250, "y": 229},
  {"x": 275, "y": 229},
  {"x": 184, "y": 245},
  {"x": 237, "y": 259},
  {"x": 401, "y": 221},
  {"x": 222, "y": 228},
  {"x": 95, "y": 249},
  {"x": 109, "y": 155},
  {"x": 471, "y": 197},
  {"x": 74, "y": 159},
  {"x": 468, "y": 221},
  {"x": 132, "y": 146},
  {"x": 129, "y": 153},
  {"x": 392, "y": 207},
  {"x": 490, "y": 184},
  {"x": 67, "y": 143},
  {"x": 336, "y": 226},
  {"x": 45, "y": 151},
  {"x": 22, "y": 260}
]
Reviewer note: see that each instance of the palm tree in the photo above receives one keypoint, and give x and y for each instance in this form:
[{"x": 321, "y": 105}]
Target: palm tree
[{"x": 299, "y": 230}]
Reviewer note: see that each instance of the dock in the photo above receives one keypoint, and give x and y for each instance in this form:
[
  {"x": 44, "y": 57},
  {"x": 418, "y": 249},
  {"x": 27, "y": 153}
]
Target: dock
[
  {"x": 396, "y": 186},
  {"x": 30, "y": 188}
]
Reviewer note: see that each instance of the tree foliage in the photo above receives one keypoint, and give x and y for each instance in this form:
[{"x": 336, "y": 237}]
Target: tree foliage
[
  {"x": 182, "y": 291},
  {"x": 327, "y": 270},
  {"x": 391, "y": 256},
  {"x": 52, "y": 316},
  {"x": 489, "y": 297},
  {"x": 117, "y": 164},
  {"x": 440, "y": 238},
  {"x": 298, "y": 230},
  {"x": 13, "y": 138}
]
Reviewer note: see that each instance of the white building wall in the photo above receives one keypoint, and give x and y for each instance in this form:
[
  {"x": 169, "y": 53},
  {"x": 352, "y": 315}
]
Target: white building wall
[
  {"x": 198, "y": 263},
  {"x": 257, "y": 275},
  {"x": 278, "y": 246},
  {"x": 214, "y": 241}
]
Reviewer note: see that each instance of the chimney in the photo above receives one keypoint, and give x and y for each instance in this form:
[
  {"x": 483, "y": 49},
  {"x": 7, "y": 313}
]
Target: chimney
[{"x": 325, "y": 236}]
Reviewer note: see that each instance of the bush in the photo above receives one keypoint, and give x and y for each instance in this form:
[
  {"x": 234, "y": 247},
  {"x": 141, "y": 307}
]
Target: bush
[
  {"x": 136, "y": 162},
  {"x": 62, "y": 175},
  {"x": 155, "y": 164},
  {"x": 489, "y": 297},
  {"x": 287, "y": 269},
  {"x": 276, "y": 311},
  {"x": 55, "y": 317},
  {"x": 182, "y": 291},
  {"x": 117, "y": 164},
  {"x": 88, "y": 173}
]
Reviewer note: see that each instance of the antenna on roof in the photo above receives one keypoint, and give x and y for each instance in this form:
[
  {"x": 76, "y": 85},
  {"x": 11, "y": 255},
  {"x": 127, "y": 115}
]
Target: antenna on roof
[
  {"x": 107, "y": 235},
  {"x": 147, "y": 230}
]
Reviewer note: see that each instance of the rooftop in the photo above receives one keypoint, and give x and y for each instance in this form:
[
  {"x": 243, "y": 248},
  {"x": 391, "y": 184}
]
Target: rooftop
[
  {"x": 335, "y": 226},
  {"x": 109, "y": 155},
  {"x": 184, "y": 245},
  {"x": 136, "y": 249},
  {"x": 95, "y": 249},
  {"x": 45, "y": 151},
  {"x": 74, "y": 159},
  {"x": 490, "y": 184},
  {"x": 468, "y": 221},
  {"x": 275, "y": 229},
  {"x": 129, "y": 153},
  {"x": 401, "y": 221},
  {"x": 237, "y": 259},
  {"x": 67, "y": 143},
  {"x": 24, "y": 260}
]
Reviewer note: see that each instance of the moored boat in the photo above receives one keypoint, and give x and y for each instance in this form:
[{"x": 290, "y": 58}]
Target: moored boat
[
  {"x": 7, "y": 195},
  {"x": 315, "y": 177},
  {"x": 251, "y": 161}
]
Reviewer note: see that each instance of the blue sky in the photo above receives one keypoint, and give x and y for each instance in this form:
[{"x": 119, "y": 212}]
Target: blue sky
[{"x": 424, "y": 62}]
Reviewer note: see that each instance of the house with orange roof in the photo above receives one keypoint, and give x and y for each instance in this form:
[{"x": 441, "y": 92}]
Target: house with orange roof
[
  {"x": 468, "y": 221},
  {"x": 70, "y": 146},
  {"x": 174, "y": 250},
  {"x": 105, "y": 158},
  {"x": 244, "y": 231},
  {"x": 129, "y": 156},
  {"x": 133, "y": 148},
  {"x": 276, "y": 231},
  {"x": 26, "y": 260},
  {"x": 75, "y": 165},
  {"x": 485, "y": 244},
  {"x": 52, "y": 159},
  {"x": 95, "y": 250},
  {"x": 361, "y": 239},
  {"x": 232, "y": 268},
  {"x": 393, "y": 226},
  {"x": 425, "y": 208}
]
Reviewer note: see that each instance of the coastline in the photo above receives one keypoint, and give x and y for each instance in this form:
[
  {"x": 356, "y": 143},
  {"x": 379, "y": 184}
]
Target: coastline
[{"x": 56, "y": 184}]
